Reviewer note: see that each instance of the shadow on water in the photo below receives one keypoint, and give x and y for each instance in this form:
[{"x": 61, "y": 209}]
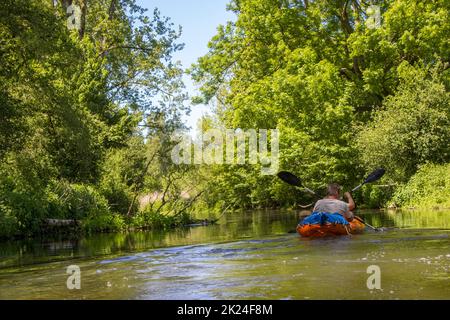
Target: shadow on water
[{"x": 247, "y": 255}]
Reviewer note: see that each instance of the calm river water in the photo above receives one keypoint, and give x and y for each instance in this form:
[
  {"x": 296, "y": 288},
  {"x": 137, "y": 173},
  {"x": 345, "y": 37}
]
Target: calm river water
[{"x": 245, "y": 256}]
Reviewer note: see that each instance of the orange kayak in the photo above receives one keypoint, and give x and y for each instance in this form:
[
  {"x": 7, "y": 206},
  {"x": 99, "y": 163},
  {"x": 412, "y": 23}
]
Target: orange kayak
[{"x": 330, "y": 229}]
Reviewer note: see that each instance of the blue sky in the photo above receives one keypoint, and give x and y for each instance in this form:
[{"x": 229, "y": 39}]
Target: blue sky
[{"x": 199, "y": 20}]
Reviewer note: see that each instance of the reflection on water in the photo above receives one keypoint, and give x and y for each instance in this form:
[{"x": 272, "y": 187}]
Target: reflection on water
[{"x": 245, "y": 256}]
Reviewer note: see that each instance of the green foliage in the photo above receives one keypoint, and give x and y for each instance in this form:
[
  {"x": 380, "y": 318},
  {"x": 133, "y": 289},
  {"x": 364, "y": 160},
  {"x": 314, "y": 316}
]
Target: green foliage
[
  {"x": 428, "y": 188},
  {"x": 75, "y": 201},
  {"x": 22, "y": 191},
  {"x": 71, "y": 102},
  {"x": 148, "y": 218},
  {"x": 103, "y": 223},
  {"x": 83, "y": 203},
  {"x": 374, "y": 196},
  {"x": 86, "y": 116},
  {"x": 346, "y": 98},
  {"x": 123, "y": 167},
  {"x": 9, "y": 226},
  {"x": 412, "y": 129}
]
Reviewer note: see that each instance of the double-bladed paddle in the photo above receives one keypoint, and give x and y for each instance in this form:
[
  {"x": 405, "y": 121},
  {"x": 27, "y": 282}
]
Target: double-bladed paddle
[{"x": 374, "y": 176}]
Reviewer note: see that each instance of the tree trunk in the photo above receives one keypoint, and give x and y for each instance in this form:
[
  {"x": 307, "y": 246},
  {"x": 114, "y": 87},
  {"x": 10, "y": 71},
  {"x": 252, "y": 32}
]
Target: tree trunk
[{"x": 83, "y": 7}]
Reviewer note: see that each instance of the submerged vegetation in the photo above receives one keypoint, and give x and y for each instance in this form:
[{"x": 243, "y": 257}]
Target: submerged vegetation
[{"x": 87, "y": 115}]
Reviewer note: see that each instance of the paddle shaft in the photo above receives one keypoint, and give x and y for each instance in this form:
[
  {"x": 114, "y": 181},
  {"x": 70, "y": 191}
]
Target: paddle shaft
[
  {"x": 356, "y": 188},
  {"x": 311, "y": 191},
  {"x": 362, "y": 221}
]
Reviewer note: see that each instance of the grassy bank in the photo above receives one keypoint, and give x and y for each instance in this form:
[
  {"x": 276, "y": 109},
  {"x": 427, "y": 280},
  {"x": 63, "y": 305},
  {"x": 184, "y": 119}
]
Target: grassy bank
[
  {"x": 27, "y": 214},
  {"x": 103, "y": 223}
]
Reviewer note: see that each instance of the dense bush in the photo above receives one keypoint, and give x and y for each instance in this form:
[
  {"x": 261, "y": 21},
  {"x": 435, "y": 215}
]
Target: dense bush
[
  {"x": 103, "y": 222},
  {"x": 71, "y": 110},
  {"x": 335, "y": 88},
  {"x": 412, "y": 128},
  {"x": 148, "y": 218},
  {"x": 374, "y": 196},
  {"x": 122, "y": 171},
  {"x": 9, "y": 226},
  {"x": 75, "y": 201},
  {"x": 23, "y": 200},
  {"x": 428, "y": 188}
]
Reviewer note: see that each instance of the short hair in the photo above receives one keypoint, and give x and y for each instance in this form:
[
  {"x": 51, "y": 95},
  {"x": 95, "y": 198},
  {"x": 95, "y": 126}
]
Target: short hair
[{"x": 333, "y": 189}]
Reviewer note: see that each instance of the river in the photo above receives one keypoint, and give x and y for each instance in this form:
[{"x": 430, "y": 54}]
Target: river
[{"x": 250, "y": 255}]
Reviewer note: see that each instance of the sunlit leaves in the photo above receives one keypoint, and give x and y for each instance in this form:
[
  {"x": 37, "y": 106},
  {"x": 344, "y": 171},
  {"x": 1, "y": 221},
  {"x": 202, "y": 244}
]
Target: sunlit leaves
[
  {"x": 413, "y": 128},
  {"x": 317, "y": 72}
]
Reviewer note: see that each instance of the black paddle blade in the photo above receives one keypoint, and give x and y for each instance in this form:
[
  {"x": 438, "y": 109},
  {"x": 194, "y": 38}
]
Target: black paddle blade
[
  {"x": 376, "y": 175},
  {"x": 290, "y": 178}
]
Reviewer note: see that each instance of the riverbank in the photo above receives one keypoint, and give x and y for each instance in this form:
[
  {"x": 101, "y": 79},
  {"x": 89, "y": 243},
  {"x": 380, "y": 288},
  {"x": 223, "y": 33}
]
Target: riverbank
[
  {"x": 113, "y": 223},
  {"x": 428, "y": 189}
]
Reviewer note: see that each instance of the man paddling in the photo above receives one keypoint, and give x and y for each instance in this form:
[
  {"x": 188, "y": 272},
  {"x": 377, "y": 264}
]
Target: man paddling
[
  {"x": 332, "y": 204},
  {"x": 340, "y": 210}
]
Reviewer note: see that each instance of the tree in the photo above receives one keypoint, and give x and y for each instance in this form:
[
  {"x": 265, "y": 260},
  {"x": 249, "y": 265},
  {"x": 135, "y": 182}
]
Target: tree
[
  {"x": 412, "y": 128},
  {"x": 317, "y": 71},
  {"x": 71, "y": 97}
]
